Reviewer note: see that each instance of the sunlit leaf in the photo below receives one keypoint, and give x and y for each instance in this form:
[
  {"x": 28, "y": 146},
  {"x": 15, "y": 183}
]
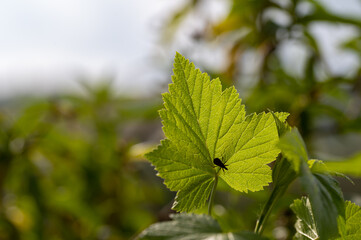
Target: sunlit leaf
[{"x": 201, "y": 123}]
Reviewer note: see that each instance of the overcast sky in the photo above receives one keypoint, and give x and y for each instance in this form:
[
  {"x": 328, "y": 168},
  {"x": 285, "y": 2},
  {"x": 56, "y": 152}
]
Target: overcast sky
[{"x": 46, "y": 45}]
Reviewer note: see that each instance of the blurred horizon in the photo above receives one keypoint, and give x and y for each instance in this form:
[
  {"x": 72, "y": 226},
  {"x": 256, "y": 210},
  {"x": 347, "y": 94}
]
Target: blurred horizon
[{"x": 49, "y": 48}]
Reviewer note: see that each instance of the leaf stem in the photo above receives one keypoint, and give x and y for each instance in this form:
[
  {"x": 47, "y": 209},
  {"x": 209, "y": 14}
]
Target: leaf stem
[
  {"x": 211, "y": 197},
  {"x": 276, "y": 193}
]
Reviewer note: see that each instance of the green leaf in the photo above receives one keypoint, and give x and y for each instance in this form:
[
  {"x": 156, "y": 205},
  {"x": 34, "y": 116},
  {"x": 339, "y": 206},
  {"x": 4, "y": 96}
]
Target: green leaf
[
  {"x": 202, "y": 122},
  {"x": 252, "y": 147},
  {"x": 280, "y": 119},
  {"x": 324, "y": 193},
  {"x": 191, "y": 181},
  {"x": 283, "y": 173},
  {"x": 350, "y": 228},
  {"x": 293, "y": 148},
  {"x": 350, "y": 166},
  {"x": 318, "y": 166},
  {"x": 305, "y": 224},
  {"x": 192, "y": 227},
  {"x": 326, "y": 201}
]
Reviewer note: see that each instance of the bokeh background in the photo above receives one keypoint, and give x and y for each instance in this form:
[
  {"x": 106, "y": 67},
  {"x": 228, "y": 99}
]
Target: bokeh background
[{"x": 80, "y": 85}]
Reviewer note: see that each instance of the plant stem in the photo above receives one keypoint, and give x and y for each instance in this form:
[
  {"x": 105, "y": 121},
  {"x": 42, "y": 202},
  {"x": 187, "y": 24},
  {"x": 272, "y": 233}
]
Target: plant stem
[
  {"x": 276, "y": 193},
  {"x": 211, "y": 197}
]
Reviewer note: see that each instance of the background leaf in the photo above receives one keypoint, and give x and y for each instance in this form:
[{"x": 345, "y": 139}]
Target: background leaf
[
  {"x": 326, "y": 201},
  {"x": 350, "y": 166},
  {"x": 293, "y": 148},
  {"x": 324, "y": 193},
  {"x": 305, "y": 224},
  {"x": 282, "y": 125},
  {"x": 192, "y": 227},
  {"x": 350, "y": 227},
  {"x": 282, "y": 175}
]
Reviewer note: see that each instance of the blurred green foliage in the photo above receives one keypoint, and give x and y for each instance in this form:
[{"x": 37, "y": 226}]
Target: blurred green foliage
[
  {"x": 70, "y": 168},
  {"x": 320, "y": 100}
]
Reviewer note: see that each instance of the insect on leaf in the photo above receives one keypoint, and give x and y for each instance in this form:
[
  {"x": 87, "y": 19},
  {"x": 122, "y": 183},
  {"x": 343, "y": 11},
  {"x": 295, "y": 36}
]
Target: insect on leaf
[{"x": 202, "y": 123}]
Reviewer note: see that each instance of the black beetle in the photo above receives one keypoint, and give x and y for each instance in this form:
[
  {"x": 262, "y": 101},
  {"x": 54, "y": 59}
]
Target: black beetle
[{"x": 219, "y": 163}]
